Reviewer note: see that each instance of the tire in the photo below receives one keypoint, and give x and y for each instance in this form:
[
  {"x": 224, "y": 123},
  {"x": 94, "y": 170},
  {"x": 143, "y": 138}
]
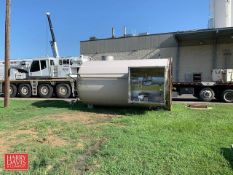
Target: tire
[
  {"x": 13, "y": 90},
  {"x": 206, "y": 94},
  {"x": 227, "y": 96},
  {"x": 25, "y": 90},
  {"x": 45, "y": 91},
  {"x": 63, "y": 91}
]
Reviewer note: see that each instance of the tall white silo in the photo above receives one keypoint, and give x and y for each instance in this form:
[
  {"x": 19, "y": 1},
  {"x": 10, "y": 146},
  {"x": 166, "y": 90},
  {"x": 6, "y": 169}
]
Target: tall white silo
[{"x": 221, "y": 13}]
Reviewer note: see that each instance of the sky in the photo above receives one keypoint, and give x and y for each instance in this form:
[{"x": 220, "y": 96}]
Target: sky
[{"x": 78, "y": 20}]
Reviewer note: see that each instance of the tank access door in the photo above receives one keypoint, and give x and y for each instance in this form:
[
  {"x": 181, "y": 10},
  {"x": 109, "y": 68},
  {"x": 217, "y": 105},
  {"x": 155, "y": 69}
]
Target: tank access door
[{"x": 147, "y": 85}]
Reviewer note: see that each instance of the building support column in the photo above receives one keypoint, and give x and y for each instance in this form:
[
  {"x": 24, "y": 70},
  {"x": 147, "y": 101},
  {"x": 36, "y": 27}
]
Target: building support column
[
  {"x": 215, "y": 48},
  {"x": 177, "y": 59}
]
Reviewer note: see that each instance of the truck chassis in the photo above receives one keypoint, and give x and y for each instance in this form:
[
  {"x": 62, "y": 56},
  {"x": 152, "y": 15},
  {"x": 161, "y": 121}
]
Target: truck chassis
[
  {"x": 44, "y": 88},
  {"x": 66, "y": 88},
  {"x": 206, "y": 91}
]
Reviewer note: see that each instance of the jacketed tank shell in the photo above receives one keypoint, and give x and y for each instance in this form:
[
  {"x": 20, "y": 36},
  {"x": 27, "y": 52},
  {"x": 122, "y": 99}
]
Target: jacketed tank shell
[{"x": 125, "y": 82}]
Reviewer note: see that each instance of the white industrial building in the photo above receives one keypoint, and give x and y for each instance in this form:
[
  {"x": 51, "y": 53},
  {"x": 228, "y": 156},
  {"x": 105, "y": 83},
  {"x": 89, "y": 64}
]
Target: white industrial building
[{"x": 195, "y": 53}]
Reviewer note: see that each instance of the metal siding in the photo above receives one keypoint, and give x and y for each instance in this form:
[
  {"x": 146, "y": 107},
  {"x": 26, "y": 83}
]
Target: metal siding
[
  {"x": 127, "y": 44},
  {"x": 225, "y": 56},
  {"x": 141, "y": 54},
  {"x": 195, "y": 59}
]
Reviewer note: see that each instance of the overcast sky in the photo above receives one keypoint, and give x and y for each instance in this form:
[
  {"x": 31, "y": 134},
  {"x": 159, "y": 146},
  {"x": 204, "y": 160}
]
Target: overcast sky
[{"x": 77, "y": 20}]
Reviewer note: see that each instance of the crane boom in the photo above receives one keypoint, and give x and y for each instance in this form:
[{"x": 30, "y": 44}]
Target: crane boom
[{"x": 53, "y": 42}]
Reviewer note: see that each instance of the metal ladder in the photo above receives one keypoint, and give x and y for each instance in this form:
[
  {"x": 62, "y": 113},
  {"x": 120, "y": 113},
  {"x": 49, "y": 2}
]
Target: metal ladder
[
  {"x": 55, "y": 72},
  {"x": 34, "y": 85}
]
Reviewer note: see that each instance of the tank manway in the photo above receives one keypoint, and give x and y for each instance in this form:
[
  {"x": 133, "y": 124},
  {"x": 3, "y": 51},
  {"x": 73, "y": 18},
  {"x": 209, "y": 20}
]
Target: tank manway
[{"x": 144, "y": 83}]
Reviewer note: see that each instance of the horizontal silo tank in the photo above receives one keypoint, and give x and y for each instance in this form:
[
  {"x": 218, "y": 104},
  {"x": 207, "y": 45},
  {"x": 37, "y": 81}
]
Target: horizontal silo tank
[{"x": 125, "y": 83}]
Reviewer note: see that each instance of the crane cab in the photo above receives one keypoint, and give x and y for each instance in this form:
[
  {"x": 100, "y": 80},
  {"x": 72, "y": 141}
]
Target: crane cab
[
  {"x": 56, "y": 68},
  {"x": 43, "y": 67}
]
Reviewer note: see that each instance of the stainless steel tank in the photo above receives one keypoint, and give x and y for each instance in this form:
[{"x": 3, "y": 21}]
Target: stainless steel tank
[{"x": 125, "y": 82}]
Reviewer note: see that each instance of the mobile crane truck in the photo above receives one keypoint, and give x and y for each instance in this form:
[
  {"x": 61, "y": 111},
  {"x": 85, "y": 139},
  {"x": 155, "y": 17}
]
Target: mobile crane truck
[{"x": 43, "y": 77}]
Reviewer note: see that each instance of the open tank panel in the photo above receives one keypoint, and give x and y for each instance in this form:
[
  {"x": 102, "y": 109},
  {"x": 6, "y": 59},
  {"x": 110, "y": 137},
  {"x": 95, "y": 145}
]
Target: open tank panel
[{"x": 147, "y": 85}]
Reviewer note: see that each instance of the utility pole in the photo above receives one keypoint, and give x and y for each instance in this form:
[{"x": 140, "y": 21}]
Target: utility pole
[{"x": 7, "y": 55}]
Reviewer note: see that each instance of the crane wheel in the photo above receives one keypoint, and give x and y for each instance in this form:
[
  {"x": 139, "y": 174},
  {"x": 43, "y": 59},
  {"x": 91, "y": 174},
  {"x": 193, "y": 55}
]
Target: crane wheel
[
  {"x": 25, "y": 90},
  {"x": 227, "y": 96},
  {"x": 13, "y": 90},
  {"x": 63, "y": 91},
  {"x": 45, "y": 91},
  {"x": 206, "y": 94}
]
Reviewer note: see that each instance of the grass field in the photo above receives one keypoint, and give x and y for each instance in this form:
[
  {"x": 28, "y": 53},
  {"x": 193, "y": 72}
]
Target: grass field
[{"x": 63, "y": 138}]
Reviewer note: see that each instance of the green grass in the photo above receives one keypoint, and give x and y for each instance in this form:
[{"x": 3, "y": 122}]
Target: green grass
[
  {"x": 183, "y": 141},
  {"x": 33, "y": 116}
]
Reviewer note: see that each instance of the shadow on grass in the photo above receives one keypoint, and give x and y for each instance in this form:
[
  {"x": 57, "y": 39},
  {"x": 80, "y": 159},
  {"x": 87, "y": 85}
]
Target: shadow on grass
[
  {"x": 228, "y": 155},
  {"x": 83, "y": 107}
]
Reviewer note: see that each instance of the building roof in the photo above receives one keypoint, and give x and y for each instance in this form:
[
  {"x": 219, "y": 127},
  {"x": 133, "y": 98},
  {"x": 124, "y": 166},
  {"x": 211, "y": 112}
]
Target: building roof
[
  {"x": 155, "y": 41},
  {"x": 185, "y": 35},
  {"x": 205, "y": 33}
]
